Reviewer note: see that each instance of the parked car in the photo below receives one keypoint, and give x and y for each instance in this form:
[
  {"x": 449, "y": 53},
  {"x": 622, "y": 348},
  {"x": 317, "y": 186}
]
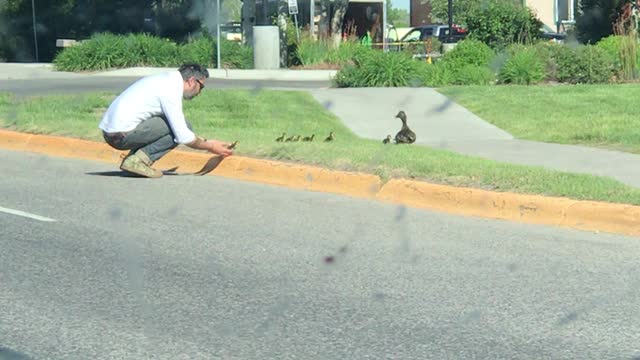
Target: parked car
[
  {"x": 439, "y": 31},
  {"x": 415, "y": 38}
]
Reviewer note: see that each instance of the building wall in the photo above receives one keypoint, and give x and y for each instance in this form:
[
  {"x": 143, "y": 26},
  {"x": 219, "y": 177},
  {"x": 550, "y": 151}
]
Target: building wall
[
  {"x": 420, "y": 13},
  {"x": 557, "y": 15},
  {"x": 544, "y": 10}
]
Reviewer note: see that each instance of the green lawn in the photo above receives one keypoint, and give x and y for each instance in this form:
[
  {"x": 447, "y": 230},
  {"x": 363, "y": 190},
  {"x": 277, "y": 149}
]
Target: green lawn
[
  {"x": 604, "y": 116},
  {"x": 257, "y": 118}
]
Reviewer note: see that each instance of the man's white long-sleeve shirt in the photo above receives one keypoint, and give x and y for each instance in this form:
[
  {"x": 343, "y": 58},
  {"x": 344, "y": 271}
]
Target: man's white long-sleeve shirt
[{"x": 150, "y": 96}]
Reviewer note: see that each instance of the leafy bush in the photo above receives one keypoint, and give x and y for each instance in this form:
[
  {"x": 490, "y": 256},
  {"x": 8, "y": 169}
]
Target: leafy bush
[
  {"x": 349, "y": 76},
  {"x": 310, "y": 51},
  {"x": 201, "y": 50},
  {"x": 107, "y": 51},
  {"x": 346, "y": 52},
  {"x": 548, "y": 52},
  {"x": 623, "y": 54},
  {"x": 584, "y": 64},
  {"x": 102, "y": 51},
  {"x": 611, "y": 46},
  {"x": 436, "y": 74},
  {"x": 380, "y": 69},
  {"x": 464, "y": 61},
  {"x": 468, "y": 52},
  {"x": 500, "y": 23},
  {"x": 147, "y": 50},
  {"x": 235, "y": 55},
  {"x": 523, "y": 66}
]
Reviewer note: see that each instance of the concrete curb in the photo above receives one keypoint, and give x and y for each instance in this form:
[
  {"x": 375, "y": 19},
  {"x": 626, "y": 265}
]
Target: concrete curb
[{"x": 533, "y": 209}]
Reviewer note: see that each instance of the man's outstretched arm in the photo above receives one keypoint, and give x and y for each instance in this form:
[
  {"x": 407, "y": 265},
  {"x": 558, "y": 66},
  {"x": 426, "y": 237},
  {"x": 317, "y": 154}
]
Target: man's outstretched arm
[{"x": 214, "y": 146}]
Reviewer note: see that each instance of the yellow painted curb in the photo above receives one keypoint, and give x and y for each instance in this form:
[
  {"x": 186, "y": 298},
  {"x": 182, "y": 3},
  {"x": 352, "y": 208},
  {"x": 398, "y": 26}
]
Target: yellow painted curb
[
  {"x": 237, "y": 167},
  {"x": 583, "y": 215},
  {"x": 533, "y": 209}
]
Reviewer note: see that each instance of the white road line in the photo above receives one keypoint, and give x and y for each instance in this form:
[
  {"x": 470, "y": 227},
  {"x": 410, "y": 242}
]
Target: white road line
[{"x": 22, "y": 213}]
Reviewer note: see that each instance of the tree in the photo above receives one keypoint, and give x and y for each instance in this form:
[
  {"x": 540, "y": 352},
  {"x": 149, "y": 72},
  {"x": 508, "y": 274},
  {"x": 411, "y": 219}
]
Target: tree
[
  {"x": 331, "y": 19},
  {"x": 596, "y": 18},
  {"x": 460, "y": 10},
  {"x": 17, "y": 42},
  {"x": 397, "y": 17},
  {"x": 501, "y": 23},
  {"x": 231, "y": 10}
]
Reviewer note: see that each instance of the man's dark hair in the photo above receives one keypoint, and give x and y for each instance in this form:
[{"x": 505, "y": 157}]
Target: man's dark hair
[{"x": 195, "y": 70}]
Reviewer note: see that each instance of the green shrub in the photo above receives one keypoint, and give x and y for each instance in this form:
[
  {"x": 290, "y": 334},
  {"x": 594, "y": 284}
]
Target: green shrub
[
  {"x": 549, "y": 52},
  {"x": 523, "y": 66},
  {"x": 584, "y": 64},
  {"x": 204, "y": 51},
  {"x": 500, "y": 23},
  {"x": 147, "y": 50},
  {"x": 349, "y": 76},
  {"x": 310, "y": 51},
  {"x": 623, "y": 55},
  {"x": 380, "y": 69},
  {"x": 436, "y": 74},
  {"x": 235, "y": 55},
  {"x": 105, "y": 51},
  {"x": 468, "y": 52},
  {"x": 345, "y": 53},
  {"x": 101, "y": 51},
  {"x": 201, "y": 50},
  {"x": 611, "y": 46},
  {"x": 389, "y": 69}
]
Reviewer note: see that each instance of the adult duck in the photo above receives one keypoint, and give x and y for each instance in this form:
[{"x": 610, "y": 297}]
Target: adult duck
[
  {"x": 405, "y": 135},
  {"x": 330, "y": 137}
]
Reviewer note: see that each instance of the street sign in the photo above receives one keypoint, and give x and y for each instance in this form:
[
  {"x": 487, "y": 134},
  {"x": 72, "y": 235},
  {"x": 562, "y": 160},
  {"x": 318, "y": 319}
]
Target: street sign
[{"x": 293, "y": 7}]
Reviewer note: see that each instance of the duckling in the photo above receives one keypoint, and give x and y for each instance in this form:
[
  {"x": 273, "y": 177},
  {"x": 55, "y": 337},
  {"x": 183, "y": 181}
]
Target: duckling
[
  {"x": 281, "y": 138},
  {"x": 405, "y": 135},
  {"x": 297, "y": 138},
  {"x": 387, "y": 139},
  {"x": 309, "y": 138},
  {"x": 290, "y": 138},
  {"x": 330, "y": 137}
]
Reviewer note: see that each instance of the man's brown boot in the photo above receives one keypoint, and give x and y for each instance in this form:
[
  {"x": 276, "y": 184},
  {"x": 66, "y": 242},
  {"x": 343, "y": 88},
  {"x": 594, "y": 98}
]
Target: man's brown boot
[{"x": 139, "y": 163}]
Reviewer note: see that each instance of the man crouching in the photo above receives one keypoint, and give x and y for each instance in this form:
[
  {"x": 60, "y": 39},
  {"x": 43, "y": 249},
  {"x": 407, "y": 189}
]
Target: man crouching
[{"x": 147, "y": 119}]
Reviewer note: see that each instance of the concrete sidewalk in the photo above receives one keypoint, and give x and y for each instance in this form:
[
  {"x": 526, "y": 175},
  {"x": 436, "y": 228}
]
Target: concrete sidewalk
[
  {"x": 15, "y": 71},
  {"x": 443, "y": 124}
]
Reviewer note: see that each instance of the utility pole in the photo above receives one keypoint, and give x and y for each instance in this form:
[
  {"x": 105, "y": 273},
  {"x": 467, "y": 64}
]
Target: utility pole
[
  {"x": 35, "y": 36},
  {"x": 312, "y": 16},
  {"x": 218, "y": 33},
  {"x": 449, "y": 37},
  {"x": 384, "y": 25}
]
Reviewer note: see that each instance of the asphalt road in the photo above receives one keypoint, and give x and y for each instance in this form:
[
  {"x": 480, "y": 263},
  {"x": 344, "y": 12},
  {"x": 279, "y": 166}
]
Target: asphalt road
[
  {"x": 116, "y": 84},
  {"x": 212, "y": 268}
]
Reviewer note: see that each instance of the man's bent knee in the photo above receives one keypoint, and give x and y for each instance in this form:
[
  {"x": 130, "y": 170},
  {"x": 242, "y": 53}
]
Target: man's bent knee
[{"x": 115, "y": 140}]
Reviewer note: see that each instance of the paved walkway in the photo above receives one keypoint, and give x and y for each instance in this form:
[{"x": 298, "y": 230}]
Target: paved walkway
[{"x": 443, "y": 124}]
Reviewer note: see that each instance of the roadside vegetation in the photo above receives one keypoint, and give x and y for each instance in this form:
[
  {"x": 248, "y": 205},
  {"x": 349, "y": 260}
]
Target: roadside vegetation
[{"x": 229, "y": 115}]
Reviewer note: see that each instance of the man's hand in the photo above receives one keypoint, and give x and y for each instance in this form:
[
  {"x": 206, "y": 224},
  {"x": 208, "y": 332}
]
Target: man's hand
[{"x": 219, "y": 147}]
